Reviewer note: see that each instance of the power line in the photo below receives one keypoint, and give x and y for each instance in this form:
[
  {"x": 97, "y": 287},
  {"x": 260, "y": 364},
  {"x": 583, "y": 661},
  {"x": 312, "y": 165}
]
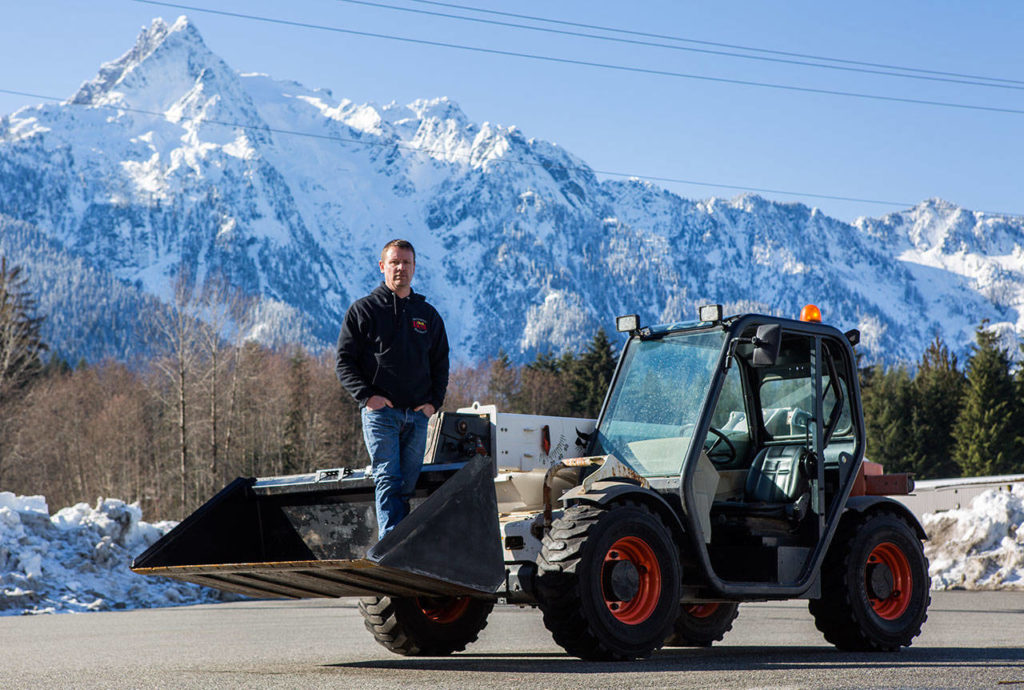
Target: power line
[
  {"x": 586, "y": 63},
  {"x": 705, "y": 51},
  {"x": 510, "y": 162},
  {"x": 763, "y": 190},
  {"x": 682, "y": 39}
]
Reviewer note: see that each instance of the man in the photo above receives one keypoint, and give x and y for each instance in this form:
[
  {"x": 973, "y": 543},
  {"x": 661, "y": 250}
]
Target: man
[{"x": 393, "y": 359}]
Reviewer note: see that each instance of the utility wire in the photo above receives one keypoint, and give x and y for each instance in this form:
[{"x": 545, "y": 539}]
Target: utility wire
[
  {"x": 705, "y": 51},
  {"x": 682, "y": 39},
  {"x": 517, "y": 162},
  {"x": 586, "y": 63}
]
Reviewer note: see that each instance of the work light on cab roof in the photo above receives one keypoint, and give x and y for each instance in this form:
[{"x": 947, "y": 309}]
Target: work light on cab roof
[
  {"x": 710, "y": 312},
  {"x": 628, "y": 323}
]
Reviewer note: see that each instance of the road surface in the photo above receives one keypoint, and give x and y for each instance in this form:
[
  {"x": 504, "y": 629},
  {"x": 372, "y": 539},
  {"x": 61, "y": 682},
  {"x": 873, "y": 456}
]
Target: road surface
[{"x": 971, "y": 639}]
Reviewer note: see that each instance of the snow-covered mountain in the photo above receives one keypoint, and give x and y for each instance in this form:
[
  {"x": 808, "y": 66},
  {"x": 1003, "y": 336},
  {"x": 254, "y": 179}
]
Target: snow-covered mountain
[
  {"x": 169, "y": 162},
  {"x": 90, "y": 314}
]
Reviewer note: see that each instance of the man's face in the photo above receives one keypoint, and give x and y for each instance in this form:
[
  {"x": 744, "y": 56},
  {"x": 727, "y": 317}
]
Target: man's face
[{"x": 398, "y": 265}]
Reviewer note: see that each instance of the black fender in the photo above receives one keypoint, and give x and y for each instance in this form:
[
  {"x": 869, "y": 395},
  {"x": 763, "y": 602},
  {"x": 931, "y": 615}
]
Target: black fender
[
  {"x": 611, "y": 491},
  {"x": 870, "y": 504}
]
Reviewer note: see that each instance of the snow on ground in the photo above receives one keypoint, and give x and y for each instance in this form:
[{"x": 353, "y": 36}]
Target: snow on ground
[
  {"x": 981, "y": 547},
  {"x": 77, "y": 559}
]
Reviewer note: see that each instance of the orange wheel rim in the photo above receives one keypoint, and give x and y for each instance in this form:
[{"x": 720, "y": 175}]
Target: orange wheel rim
[
  {"x": 701, "y": 610},
  {"x": 443, "y": 610},
  {"x": 634, "y": 556},
  {"x": 893, "y": 600}
]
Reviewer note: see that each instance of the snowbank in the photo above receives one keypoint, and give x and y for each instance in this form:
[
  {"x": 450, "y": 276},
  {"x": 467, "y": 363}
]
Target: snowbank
[
  {"x": 77, "y": 559},
  {"x": 981, "y": 547}
]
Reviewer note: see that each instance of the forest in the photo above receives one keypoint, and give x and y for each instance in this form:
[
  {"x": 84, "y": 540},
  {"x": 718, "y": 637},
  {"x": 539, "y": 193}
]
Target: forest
[{"x": 170, "y": 431}]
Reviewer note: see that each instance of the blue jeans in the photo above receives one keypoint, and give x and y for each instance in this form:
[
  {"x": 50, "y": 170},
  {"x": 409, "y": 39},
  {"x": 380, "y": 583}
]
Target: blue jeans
[{"x": 396, "y": 440}]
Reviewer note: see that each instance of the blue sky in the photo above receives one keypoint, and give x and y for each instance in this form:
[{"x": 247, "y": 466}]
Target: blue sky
[{"x": 627, "y": 122}]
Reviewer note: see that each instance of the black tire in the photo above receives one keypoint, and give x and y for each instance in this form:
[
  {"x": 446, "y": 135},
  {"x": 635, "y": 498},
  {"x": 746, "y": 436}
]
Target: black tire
[
  {"x": 699, "y": 625},
  {"x": 875, "y": 585},
  {"x": 609, "y": 581},
  {"x": 425, "y": 626}
]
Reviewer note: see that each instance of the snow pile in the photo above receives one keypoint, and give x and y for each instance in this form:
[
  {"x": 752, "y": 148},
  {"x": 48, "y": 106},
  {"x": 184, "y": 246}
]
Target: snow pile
[
  {"x": 981, "y": 547},
  {"x": 78, "y": 559}
]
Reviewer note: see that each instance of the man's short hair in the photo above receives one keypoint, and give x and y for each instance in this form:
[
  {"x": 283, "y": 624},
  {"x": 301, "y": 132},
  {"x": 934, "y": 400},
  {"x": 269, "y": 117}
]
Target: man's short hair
[{"x": 398, "y": 244}]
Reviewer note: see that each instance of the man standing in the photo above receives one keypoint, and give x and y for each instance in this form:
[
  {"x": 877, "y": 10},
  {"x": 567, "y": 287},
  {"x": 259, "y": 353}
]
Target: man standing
[{"x": 393, "y": 359}]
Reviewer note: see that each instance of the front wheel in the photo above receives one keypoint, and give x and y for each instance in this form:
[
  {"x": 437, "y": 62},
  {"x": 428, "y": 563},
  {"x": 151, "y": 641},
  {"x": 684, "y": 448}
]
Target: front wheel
[
  {"x": 875, "y": 586},
  {"x": 699, "y": 625},
  {"x": 609, "y": 581},
  {"x": 425, "y": 626}
]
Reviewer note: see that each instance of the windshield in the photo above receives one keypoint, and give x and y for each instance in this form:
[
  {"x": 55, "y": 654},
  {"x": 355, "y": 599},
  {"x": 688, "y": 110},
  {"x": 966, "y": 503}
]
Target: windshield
[{"x": 657, "y": 397}]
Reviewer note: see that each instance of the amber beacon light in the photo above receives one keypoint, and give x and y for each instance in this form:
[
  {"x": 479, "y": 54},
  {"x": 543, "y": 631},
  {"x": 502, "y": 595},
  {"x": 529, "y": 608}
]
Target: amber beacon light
[{"x": 810, "y": 313}]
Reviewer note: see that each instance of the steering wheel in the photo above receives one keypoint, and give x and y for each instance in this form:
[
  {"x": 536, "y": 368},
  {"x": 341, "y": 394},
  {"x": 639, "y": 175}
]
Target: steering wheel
[{"x": 714, "y": 444}]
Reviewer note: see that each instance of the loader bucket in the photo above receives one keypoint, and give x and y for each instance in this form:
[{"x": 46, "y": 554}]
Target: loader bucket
[{"x": 316, "y": 536}]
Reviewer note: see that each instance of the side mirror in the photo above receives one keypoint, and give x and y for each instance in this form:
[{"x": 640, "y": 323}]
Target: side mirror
[{"x": 766, "y": 345}]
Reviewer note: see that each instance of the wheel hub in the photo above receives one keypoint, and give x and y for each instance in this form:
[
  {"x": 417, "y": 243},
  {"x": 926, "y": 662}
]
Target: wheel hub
[
  {"x": 631, "y": 580},
  {"x": 443, "y": 609},
  {"x": 701, "y": 610},
  {"x": 623, "y": 581},
  {"x": 880, "y": 581},
  {"x": 888, "y": 581}
]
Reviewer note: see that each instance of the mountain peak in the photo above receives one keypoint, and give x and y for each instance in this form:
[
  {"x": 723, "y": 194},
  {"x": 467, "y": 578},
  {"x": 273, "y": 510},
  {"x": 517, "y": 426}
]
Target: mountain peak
[
  {"x": 201, "y": 171},
  {"x": 937, "y": 204},
  {"x": 442, "y": 108},
  {"x": 164, "y": 58}
]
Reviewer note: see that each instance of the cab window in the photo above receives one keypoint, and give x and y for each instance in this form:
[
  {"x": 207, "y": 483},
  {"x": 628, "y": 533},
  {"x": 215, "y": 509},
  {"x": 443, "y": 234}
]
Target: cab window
[{"x": 730, "y": 420}]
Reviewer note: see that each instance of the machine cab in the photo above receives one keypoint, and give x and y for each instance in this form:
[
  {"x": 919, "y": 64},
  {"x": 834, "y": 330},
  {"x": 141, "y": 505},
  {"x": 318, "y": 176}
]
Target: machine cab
[{"x": 753, "y": 424}]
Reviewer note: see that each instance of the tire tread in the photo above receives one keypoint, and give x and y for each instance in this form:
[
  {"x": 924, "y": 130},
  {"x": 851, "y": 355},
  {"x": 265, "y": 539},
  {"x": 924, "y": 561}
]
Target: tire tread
[{"x": 836, "y": 612}]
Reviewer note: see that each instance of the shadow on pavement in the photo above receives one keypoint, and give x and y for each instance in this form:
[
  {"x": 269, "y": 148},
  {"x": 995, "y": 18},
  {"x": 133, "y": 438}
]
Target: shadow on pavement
[{"x": 721, "y": 658}]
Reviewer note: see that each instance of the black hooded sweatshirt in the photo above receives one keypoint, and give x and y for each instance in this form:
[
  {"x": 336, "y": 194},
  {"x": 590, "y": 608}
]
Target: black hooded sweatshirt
[{"x": 395, "y": 347}]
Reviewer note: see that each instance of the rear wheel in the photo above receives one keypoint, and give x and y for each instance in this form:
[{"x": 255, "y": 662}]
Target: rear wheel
[
  {"x": 875, "y": 586},
  {"x": 425, "y": 626},
  {"x": 698, "y": 625},
  {"x": 609, "y": 581}
]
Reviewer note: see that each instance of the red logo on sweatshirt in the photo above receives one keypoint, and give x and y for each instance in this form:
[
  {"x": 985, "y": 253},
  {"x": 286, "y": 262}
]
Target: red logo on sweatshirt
[{"x": 419, "y": 325}]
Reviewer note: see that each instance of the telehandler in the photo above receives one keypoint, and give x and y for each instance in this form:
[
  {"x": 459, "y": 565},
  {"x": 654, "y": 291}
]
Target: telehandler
[{"x": 726, "y": 466}]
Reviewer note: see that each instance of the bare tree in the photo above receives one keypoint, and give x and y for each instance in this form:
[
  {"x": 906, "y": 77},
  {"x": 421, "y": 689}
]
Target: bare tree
[
  {"x": 339, "y": 440},
  {"x": 468, "y": 384},
  {"x": 225, "y": 315},
  {"x": 179, "y": 332},
  {"x": 543, "y": 391}
]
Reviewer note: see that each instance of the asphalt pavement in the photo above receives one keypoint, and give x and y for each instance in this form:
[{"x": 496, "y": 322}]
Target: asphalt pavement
[{"x": 971, "y": 639}]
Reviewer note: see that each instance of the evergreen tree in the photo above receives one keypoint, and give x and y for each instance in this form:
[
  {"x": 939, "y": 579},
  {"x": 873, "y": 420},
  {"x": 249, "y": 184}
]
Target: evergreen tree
[
  {"x": 984, "y": 430},
  {"x": 546, "y": 361},
  {"x": 293, "y": 450},
  {"x": 590, "y": 376},
  {"x": 567, "y": 363},
  {"x": 56, "y": 366},
  {"x": 937, "y": 392},
  {"x": 1017, "y": 461},
  {"x": 887, "y": 398},
  {"x": 21, "y": 346}
]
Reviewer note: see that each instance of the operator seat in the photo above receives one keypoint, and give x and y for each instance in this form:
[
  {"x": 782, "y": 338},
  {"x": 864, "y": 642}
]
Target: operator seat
[
  {"x": 775, "y": 476},
  {"x": 775, "y": 487}
]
